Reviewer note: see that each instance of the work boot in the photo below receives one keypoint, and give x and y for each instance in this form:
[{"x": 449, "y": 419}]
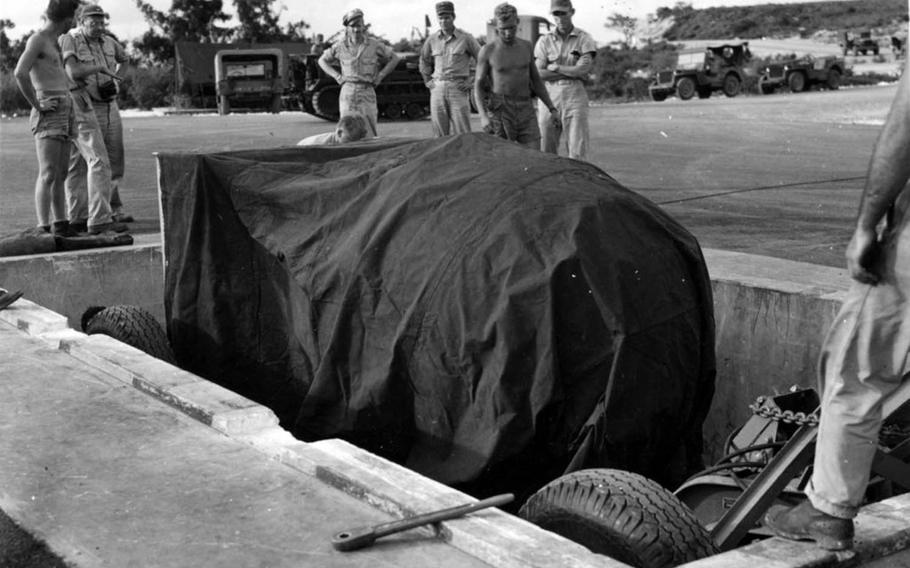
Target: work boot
[
  {"x": 805, "y": 522},
  {"x": 62, "y": 229},
  {"x": 122, "y": 217},
  {"x": 107, "y": 227},
  {"x": 79, "y": 226},
  {"x": 7, "y": 298}
]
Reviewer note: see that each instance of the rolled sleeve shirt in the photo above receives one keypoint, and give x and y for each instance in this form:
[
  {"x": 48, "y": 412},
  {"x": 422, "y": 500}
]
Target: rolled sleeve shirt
[
  {"x": 360, "y": 63},
  {"x": 448, "y": 57},
  {"x": 104, "y": 50},
  {"x": 552, "y": 48}
]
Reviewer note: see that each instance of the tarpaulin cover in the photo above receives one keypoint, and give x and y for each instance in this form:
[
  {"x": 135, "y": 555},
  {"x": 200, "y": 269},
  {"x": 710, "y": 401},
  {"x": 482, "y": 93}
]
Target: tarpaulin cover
[{"x": 462, "y": 305}]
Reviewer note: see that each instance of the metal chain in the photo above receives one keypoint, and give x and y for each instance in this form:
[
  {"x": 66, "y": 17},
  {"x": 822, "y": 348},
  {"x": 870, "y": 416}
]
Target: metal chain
[{"x": 773, "y": 413}]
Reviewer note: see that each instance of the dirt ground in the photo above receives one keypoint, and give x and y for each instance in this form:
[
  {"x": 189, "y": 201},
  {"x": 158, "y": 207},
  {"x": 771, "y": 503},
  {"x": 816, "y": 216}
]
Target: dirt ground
[{"x": 776, "y": 175}]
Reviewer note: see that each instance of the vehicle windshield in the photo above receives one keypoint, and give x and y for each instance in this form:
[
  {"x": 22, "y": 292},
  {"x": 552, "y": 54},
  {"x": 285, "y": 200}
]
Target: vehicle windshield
[
  {"x": 690, "y": 60},
  {"x": 247, "y": 70}
]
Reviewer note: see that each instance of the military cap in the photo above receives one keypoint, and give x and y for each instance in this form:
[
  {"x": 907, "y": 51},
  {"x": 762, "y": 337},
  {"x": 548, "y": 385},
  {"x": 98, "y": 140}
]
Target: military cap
[{"x": 355, "y": 14}]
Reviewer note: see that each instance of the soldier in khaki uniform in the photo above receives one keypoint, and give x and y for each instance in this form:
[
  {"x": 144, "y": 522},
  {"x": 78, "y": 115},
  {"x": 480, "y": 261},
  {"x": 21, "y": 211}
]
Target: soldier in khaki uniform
[
  {"x": 564, "y": 59},
  {"x": 359, "y": 57},
  {"x": 445, "y": 63}
]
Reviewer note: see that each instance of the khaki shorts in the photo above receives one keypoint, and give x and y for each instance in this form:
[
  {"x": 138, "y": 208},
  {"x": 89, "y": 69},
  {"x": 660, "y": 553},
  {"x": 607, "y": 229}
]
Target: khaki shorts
[{"x": 53, "y": 123}]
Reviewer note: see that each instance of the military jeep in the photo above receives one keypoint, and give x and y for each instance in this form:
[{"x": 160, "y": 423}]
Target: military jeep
[
  {"x": 860, "y": 44},
  {"x": 802, "y": 73},
  {"x": 703, "y": 71}
]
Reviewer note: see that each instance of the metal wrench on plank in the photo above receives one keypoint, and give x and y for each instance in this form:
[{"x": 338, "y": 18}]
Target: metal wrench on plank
[{"x": 365, "y": 536}]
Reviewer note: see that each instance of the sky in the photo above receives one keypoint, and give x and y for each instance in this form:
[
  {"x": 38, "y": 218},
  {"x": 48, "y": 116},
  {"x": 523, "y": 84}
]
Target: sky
[{"x": 392, "y": 19}]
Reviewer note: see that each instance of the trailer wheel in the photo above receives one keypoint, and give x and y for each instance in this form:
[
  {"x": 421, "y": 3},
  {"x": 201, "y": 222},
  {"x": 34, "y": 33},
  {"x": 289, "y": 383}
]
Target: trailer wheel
[
  {"x": 131, "y": 325},
  {"x": 621, "y": 514},
  {"x": 224, "y": 105},
  {"x": 685, "y": 88}
]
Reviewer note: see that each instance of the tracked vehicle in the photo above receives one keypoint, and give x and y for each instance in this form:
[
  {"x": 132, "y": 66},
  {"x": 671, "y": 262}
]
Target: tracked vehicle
[{"x": 402, "y": 95}]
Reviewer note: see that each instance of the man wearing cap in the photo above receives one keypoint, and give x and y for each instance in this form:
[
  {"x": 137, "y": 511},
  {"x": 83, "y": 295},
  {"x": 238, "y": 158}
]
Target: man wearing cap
[
  {"x": 359, "y": 57},
  {"x": 445, "y": 61},
  {"x": 89, "y": 207},
  {"x": 508, "y": 64},
  {"x": 92, "y": 44},
  {"x": 564, "y": 58}
]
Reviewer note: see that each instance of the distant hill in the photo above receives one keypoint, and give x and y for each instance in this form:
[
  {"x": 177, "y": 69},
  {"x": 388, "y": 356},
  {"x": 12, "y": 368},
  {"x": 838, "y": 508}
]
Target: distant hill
[{"x": 682, "y": 22}]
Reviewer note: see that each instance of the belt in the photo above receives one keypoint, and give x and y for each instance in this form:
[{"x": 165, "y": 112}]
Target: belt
[
  {"x": 521, "y": 98},
  {"x": 567, "y": 81}
]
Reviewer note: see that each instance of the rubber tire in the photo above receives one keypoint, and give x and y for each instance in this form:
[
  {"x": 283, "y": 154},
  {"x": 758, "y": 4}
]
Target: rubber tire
[
  {"x": 414, "y": 111},
  {"x": 704, "y": 92},
  {"x": 765, "y": 89},
  {"x": 275, "y": 106},
  {"x": 325, "y": 103},
  {"x": 621, "y": 514},
  {"x": 833, "y": 81},
  {"x": 658, "y": 98},
  {"x": 685, "y": 88},
  {"x": 224, "y": 105},
  {"x": 392, "y": 111},
  {"x": 796, "y": 82},
  {"x": 131, "y": 325},
  {"x": 732, "y": 85}
]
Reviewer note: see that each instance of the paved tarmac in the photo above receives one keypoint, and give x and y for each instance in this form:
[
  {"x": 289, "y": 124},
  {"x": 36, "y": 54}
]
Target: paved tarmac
[
  {"x": 76, "y": 447},
  {"x": 776, "y": 175}
]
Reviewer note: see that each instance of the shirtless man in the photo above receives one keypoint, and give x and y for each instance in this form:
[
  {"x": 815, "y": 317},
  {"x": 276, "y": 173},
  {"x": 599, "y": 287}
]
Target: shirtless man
[
  {"x": 507, "y": 63},
  {"x": 42, "y": 79}
]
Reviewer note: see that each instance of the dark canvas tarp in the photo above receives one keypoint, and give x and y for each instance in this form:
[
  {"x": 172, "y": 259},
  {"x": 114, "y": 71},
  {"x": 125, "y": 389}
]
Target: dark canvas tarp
[{"x": 462, "y": 305}]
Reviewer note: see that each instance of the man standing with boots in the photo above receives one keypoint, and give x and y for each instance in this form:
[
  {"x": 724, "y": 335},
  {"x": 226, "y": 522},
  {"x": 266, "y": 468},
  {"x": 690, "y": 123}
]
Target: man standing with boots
[
  {"x": 564, "y": 58},
  {"x": 865, "y": 356},
  {"x": 43, "y": 82},
  {"x": 91, "y": 45},
  {"x": 445, "y": 61}
]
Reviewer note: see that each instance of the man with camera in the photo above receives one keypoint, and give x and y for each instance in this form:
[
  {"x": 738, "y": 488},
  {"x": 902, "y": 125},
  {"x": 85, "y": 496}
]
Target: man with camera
[{"x": 93, "y": 59}]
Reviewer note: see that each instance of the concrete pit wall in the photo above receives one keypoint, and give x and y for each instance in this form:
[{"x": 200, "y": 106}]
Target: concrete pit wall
[{"x": 771, "y": 314}]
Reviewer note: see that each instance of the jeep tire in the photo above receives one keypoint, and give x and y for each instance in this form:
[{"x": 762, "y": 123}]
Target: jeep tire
[
  {"x": 833, "y": 81},
  {"x": 685, "y": 88},
  {"x": 732, "y": 85},
  {"x": 796, "y": 82},
  {"x": 131, "y": 325},
  {"x": 621, "y": 514}
]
